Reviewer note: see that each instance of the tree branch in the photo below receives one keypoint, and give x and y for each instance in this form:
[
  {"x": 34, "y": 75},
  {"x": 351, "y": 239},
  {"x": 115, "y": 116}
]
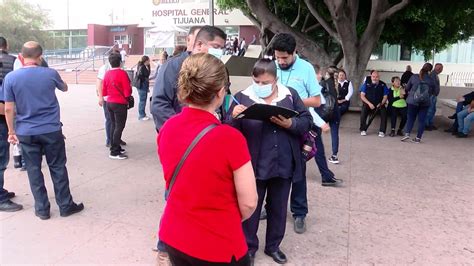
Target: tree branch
[
  {"x": 305, "y": 23},
  {"x": 310, "y": 28},
  {"x": 298, "y": 16},
  {"x": 322, "y": 21},
  {"x": 252, "y": 18},
  {"x": 394, "y": 9}
]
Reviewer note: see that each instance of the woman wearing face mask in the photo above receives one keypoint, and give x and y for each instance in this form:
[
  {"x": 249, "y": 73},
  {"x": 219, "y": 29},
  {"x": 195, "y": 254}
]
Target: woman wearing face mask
[
  {"x": 275, "y": 148},
  {"x": 143, "y": 74}
]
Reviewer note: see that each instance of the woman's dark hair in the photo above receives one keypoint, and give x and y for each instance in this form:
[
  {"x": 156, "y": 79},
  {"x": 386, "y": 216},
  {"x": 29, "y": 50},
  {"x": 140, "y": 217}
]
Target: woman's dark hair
[
  {"x": 342, "y": 70},
  {"x": 209, "y": 33},
  {"x": 115, "y": 60},
  {"x": 284, "y": 42},
  {"x": 427, "y": 67},
  {"x": 143, "y": 60},
  {"x": 201, "y": 77},
  {"x": 394, "y": 78},
  {"x": 263, "y": 66}
]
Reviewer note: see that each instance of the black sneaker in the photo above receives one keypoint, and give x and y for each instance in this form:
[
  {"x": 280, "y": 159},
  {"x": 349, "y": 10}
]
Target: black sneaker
[
  {"x": 392, "y": 133},
  {"x": 10, "y": 206},
  {"x": 74, "y": 208},
  {"x": 333, "y": 182},
  {"x": 10, "y": 195},
  {"x": 461, "y": 135},
  {"x": 416, "y": 140},
  {"x": 300, "y": 225},
  {"x": 333, "y": 159},
  {"x": 118, "y": 157},
  {"x": 43, "y": 216}
]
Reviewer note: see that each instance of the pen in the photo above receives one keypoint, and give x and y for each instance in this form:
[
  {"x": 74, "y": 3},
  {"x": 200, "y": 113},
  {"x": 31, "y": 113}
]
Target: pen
[{"x": 235, "y": 100}]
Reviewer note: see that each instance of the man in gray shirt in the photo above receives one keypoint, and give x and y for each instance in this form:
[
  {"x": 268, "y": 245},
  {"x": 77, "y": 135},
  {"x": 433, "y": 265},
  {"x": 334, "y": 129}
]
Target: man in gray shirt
[{"x": 438, "y": 68}]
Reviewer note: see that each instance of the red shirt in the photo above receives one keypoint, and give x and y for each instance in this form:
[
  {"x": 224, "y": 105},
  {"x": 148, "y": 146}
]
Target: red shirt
[
  {"x": 114, "y": 80},
  {"x": 202, "y": 217}
]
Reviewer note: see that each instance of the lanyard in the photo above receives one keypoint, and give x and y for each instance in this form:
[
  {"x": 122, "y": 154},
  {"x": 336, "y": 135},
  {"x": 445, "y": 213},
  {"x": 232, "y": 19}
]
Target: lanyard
[{"x": 287, "y": 79}]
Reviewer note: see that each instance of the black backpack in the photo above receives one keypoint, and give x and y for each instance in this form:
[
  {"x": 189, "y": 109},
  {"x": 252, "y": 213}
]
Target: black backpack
[
  {"x": 326, "y": 111},
  {"x": 422, "y": 93}
]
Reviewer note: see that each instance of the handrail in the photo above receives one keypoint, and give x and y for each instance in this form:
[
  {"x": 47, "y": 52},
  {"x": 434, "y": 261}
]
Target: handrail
[{"x": 93, "y": 63}]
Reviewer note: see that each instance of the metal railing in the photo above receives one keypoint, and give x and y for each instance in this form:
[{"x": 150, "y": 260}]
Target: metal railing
[{"x": 90, "y": 62}]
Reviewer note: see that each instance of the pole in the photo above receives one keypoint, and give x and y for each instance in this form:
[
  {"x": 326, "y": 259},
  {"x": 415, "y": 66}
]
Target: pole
[
  {"x": 211, "y": 12},
  {"x": 70, "y": 34}
]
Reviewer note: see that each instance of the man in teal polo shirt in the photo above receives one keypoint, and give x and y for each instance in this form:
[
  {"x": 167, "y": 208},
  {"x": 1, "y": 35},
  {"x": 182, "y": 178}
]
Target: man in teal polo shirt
[{"x": 294, "y": 72}]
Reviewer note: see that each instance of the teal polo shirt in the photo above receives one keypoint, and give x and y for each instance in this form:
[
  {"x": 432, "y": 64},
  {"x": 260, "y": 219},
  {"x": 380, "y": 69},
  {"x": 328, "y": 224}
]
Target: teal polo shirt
[{"x": 301, "y": 77}]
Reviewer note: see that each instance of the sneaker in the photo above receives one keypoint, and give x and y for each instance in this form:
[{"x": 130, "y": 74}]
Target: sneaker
[
  {"x": 10, "y": 206},
  {"x": 145, "y": 118},
  {"x": 363, "y": 133},
  {"x": 43, "y": 216},
  {"x": 118, "y": 157},
  {"x": 123, "y": 143},
  {"x": 333, "y": 182},
  {"x": 122, "y": 151},
  {"x": 300, "y": 225},
  {"x": 74, "y": 208},
  {"x": 461, "y": 135},
  {"x": 416, "y": 140},
  {"x": 406, "y": 137},
  {"x": 11, "y": 195},
  {"x": 392, "y": 133},
  {"x": 333, "y": 159},
  {"x": 381, "y": 134}
]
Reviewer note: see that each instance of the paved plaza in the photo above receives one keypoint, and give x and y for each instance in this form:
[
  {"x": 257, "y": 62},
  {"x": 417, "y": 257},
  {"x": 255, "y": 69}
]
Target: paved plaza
[{"x": 401, "y": 203}]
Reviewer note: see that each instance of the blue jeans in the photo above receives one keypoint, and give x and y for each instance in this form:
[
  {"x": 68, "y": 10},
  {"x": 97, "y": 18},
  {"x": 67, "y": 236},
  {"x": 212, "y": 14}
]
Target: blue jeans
[
  {"x": 4, "y": 159},
  {"x": 108, "y": 124},
  {"x": 459, "y": 108},
  {"x": 465, "y": 120},
  {"x": 413, "y": 112},
  {"x": 344, "y": 107},
  {"x": 431, "y": 111},
  {"x": 142, "y": 94},
  {"x": 55, "y": 151},
  {"x": 334, "y": 124},
  {"x": 299, "y": 199}
]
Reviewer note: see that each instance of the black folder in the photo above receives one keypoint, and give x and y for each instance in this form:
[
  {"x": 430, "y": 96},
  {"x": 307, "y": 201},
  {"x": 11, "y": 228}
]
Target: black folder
[{"x": 265, "y": 111}]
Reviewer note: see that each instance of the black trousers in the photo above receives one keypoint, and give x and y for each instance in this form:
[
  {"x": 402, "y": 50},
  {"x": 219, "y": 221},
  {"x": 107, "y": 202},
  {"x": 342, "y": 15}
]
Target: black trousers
[
  {"x": 179, "y": 258},
  {"x": 394, "y": 112},
  {"x": 118, "y": 118},
  {"x": 54, "y": 148},
  {"x": 278, "y": 190},
  {"x": 365, "y": 113}
]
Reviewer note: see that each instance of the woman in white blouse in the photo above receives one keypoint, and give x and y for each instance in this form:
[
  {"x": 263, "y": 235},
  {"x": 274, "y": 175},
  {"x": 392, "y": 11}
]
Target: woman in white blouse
[{"x": 344, "y": 92}]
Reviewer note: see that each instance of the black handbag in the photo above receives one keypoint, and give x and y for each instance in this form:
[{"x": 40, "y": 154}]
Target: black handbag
[{"x": 130, "y": 100}]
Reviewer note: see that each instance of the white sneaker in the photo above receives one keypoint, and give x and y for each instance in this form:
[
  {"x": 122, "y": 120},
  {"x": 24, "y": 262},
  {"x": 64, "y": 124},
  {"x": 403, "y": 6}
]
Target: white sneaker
[
  {"x": 333, "y": 159},
  {"x": 118, "y": 157},
  {"x": 145, "y": 118},
  {"x": 381, "y": 134},
  {"x": 363, "y": 133}
]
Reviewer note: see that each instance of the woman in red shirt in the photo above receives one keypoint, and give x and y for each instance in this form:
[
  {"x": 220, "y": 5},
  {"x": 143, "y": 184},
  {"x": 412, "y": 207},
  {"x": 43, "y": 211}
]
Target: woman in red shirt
[
  {"x": 215, "y": 188},
  {"x": 116, "y": 86}
]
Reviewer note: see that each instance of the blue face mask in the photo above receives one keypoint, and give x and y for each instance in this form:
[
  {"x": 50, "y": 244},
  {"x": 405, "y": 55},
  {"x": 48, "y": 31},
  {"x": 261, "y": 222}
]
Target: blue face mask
[
  {"x": 263, "y": 91},
  {"x": 215, "y": 52}
]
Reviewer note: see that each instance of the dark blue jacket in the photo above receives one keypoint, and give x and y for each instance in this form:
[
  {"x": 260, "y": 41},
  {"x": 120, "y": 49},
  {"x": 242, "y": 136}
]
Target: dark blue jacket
[
  {"x": 164, "y": 103},
  {"x": 253, "y": 131}
]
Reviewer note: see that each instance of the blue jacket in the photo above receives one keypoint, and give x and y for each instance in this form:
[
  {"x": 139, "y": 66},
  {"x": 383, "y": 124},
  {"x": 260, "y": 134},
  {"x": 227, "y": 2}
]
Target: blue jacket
[
  {"x": 164, "y": 103},
  {"x": 253, "y": 129}
]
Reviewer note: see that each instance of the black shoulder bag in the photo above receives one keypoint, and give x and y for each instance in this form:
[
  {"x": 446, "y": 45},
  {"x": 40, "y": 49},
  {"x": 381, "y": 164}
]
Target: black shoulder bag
[
  {"x": 185, "y": 155},
  {"x": 130, "y": 100}
]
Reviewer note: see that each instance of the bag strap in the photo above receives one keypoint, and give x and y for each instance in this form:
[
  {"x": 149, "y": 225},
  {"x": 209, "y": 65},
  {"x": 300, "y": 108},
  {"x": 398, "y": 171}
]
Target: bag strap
[
  {"x": 187, "y": 152},
  {"x": 121, "y": 93}
]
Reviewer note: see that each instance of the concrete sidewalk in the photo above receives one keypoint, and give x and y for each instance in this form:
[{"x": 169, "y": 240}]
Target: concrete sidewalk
[{"x": 401, "y": 203}]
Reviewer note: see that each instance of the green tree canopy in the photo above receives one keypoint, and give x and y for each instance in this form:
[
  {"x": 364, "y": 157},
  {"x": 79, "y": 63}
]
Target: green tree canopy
[
  {"x": 21, "y": 22},
  {"x": 330, "y": 30}
]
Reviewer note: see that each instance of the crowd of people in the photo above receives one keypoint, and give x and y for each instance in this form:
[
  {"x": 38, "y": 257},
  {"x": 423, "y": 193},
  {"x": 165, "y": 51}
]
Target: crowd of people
[{"x": 251, "y": 168}]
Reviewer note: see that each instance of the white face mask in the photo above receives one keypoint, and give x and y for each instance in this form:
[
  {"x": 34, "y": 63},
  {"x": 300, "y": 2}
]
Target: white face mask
[
  {"x": 262, "y": 91},
  {"x": 215, "y": 52}
]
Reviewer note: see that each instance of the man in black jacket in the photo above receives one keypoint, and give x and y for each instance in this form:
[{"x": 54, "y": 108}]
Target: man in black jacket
[{"x": 6, "y": 65}]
